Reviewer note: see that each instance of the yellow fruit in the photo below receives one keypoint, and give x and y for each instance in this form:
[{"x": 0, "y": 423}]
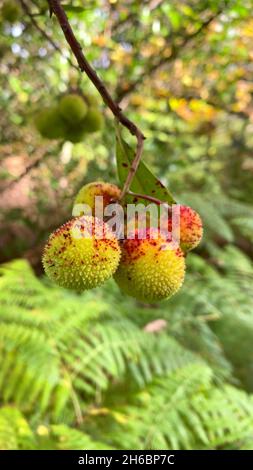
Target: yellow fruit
[
  {"x": 149, "y": 270},
  {"x": 50, "y": 124},
  {"x": 93, "y": 120},
  {"x": 76, "y": 257},
  {"x": 87, "y": 193},
  {"x": 72, "y": 108},
  {"x": 11, "y": 11}
]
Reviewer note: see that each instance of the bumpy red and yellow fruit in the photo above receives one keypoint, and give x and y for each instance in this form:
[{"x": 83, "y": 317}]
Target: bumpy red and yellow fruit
[
  {"x": 110, "y": 193},
  {"x": 84, "y": 252},
  {"x": 150, "y": 270},
  {"x": 81, "y": 254},
  {"x": 191, "y": 228}
]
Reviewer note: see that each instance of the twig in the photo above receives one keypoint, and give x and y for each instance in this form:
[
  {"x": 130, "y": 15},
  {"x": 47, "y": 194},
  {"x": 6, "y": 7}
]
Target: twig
[
  {"x": 44, "y": 33},
  {"x": 133, "y": 168},
  {"x": 134, "y": 16},
  {"x": 153, "y": 68},
  {"x": 85, "y": 66},
  {"x": 148, "y": 198},
  {"x": 28, "y": 169}
]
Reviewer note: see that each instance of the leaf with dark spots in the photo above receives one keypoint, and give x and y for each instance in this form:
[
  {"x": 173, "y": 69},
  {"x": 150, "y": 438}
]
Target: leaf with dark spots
[{"x": 144, "y": 181}]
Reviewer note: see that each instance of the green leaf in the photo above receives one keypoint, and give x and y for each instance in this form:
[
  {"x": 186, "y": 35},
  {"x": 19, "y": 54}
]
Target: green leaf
[{"x": 144, "y": 181}]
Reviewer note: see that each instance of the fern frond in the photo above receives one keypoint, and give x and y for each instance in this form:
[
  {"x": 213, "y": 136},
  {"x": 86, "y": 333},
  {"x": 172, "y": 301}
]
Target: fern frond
[
  {"x": 50, "y": 352},
  {"x": 16, "y": 434},
  {"x": 71, "y": 357},
  {"x": 181, "y": 411}
]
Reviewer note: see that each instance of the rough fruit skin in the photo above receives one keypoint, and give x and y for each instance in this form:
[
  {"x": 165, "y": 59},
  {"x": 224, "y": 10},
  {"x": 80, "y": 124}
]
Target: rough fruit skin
[
  {"x": 81, "y": 263},
  {"x": 72, "y": 108},
  {"x": 71, "y": 119},
  {"x": 75, "y": 135},
  {"x": 50, "y": 124},
  {"x": 148, "y": 270},
  {"x": 87, "y": 193},
  {"x": 92, "y": 99},
  {"x": 93, "y": 120},
  {"x": 191, "y": 228}
]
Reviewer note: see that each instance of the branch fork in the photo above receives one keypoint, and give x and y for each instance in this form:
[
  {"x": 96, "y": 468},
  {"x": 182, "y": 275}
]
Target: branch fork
[{"x": 56, "y": 7}]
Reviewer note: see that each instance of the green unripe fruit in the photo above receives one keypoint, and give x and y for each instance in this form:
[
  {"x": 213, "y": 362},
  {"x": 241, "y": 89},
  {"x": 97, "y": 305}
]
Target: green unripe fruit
[
  {"x": 93, "y": 120},
  {"x": 72, "y": 108},
  {"x": 74, "y": 135},
  {"x": 11, "y": 11},
  {"x": 86, "y": 195},
  {"x": 92, "y": 100},
  {"x": 81, "y": 254},
  {"x": 149, "y": 270},
  {"x": 50, "y": 124}
]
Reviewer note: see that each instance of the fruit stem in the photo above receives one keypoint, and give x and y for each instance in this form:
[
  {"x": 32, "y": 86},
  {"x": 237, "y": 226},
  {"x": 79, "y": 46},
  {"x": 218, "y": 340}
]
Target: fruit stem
[
  {"x": 56, "y": 7},
  {"x": 148, "y": 198}
]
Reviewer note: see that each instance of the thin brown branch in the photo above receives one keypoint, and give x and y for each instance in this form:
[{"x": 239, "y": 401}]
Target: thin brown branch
[
  {"x": 133, "y": 18},
  {"x": 28, "y": 169},
  {"x": 85, "y": 66},
  {"x": 133, "y": 168},
  {"x": 148, "y": 198},
  {"x": 155, "y": 66},
  {"x": 57, "y": 48}
]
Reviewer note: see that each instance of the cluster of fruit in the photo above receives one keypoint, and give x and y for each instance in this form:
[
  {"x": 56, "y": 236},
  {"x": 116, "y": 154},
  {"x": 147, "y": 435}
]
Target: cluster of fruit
[
  {"x": 71, "y": 118},
  {"x": 147, "y": 268},
  {"x": 10, "y": 11}
]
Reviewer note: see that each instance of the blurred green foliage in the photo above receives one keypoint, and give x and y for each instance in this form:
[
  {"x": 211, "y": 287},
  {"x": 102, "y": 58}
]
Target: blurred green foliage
[
  {"x": 99, "y": 370},
  {"x": 128, "y": 375}
]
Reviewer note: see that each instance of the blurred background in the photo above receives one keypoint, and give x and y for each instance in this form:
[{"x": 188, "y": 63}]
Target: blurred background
[{"x": 100, "y": 370}]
